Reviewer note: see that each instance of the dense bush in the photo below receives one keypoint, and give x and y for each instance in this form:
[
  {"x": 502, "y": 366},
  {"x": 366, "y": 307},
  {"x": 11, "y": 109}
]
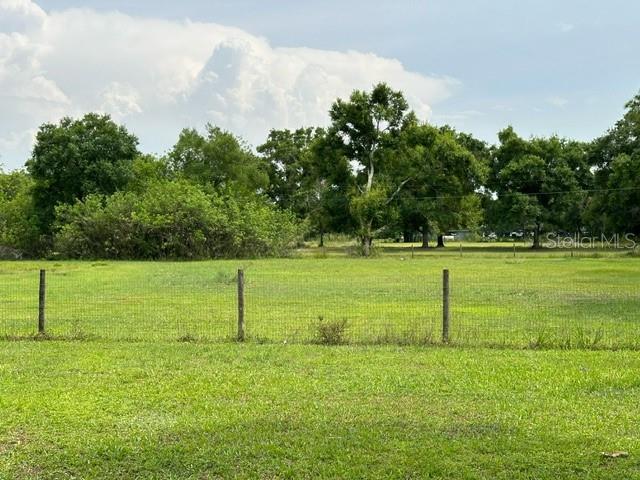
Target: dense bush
[
  {"x": 18, "y": 221},
  {"x": 172, "y": 219}
]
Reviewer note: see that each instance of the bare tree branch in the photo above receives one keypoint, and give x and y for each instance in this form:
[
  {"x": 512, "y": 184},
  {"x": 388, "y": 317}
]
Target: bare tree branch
[{"x": 402, "y": 184}]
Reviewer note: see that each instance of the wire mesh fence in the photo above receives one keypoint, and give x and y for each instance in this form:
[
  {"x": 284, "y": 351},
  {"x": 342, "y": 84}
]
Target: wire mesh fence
[{"x": 331, "y": 304}]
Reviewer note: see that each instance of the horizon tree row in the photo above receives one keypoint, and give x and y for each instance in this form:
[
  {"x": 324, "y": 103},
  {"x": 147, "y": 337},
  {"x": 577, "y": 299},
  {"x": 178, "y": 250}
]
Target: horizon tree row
[{"x": 376, "y": 171}]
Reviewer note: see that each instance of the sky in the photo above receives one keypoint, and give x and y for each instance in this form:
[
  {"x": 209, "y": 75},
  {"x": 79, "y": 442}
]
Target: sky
[{"x": 545, "y": 67}]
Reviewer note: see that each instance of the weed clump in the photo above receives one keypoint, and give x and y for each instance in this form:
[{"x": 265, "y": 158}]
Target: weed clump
[{"x": 331, "y": 332}]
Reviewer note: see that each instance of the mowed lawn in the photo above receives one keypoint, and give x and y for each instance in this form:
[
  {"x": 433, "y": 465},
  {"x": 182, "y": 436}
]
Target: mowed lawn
[
  {"x": 541, "y": 300},
  {"x": 92, "y": 409}
]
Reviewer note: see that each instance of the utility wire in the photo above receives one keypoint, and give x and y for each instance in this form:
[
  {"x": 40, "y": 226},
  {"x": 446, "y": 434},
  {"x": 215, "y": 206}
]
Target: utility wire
[{"x": 514, "y": 194}]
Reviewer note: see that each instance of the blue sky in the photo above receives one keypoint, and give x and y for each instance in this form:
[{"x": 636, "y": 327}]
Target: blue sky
[{"x": 545, "y": 67}]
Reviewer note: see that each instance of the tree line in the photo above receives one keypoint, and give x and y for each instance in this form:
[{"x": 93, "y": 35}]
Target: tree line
[{"x": 376, "y": 171}]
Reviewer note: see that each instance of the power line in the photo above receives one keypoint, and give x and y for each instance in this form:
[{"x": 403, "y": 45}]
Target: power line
[{"x": 531, "y": 194}]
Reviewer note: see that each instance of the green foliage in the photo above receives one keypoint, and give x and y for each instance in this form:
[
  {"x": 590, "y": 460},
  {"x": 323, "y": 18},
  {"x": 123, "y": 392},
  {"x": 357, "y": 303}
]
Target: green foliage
[
  {"x": 76, "y": 158},
  {"x": 616, "y": 158},
  {"x": 18, "y": 219},
  {"x": 218, "y": 160},
  {"x": 539, "y": 183},
  {"x": 444, "y": 177},
  {"x": 371, "y": 208},
  {"x": 172, "y": 219},
  {"x": 618, "y": 208},
  {"x": 358, "y": 155},
  {"x": 297, "y": 181},
  {"x": 147, "y": 169},
  {"x": 374, "y": 172},
  {"x": 292, "y": 182}
]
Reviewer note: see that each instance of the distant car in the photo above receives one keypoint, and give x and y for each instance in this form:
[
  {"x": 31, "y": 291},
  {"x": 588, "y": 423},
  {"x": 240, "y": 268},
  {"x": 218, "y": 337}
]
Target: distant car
[
  {"x": 517, "y": 234},
  {"x": 492, "y": 236}
]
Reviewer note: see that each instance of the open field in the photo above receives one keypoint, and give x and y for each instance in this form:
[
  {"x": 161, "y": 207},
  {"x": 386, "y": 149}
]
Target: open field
[
  {"x": 167, "y": 410},
  {"x": 532, "y": 300},
  {"x": 337, "y": 248}
]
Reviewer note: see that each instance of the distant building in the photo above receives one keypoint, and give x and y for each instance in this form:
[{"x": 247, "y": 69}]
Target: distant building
[{"x": 460, "y": 234}]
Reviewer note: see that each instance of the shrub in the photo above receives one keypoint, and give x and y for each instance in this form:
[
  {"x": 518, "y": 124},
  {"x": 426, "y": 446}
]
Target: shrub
[
  {"x": 331, "y": 332},
  {"x": 171, "y": 220},
  {"x": 18, "y": 220}
]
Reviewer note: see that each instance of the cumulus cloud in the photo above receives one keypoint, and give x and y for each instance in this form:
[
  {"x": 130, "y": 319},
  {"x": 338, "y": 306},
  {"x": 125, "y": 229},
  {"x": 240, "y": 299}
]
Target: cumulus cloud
[{"x": 158, "y": 76}]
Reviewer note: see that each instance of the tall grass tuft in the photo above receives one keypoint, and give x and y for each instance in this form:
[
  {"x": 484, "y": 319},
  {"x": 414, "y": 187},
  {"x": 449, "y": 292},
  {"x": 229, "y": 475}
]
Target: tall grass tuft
[{"x": 331, "y": 332}]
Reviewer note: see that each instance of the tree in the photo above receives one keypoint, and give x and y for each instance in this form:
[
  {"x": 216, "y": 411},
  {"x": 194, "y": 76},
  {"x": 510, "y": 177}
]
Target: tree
[
  {"x": 359, "y": 157},
  {"x": 615, "y": 206},
  {"x": 76, "y": 158},
  {"x": 444, "y": 176},
  {"x": 539, "y": 183},
  {"x": 615, "y": 158},
  {"x": 296, "y": 182},
  {"x": 218, "y": 160},
  {"x": 18, "y": 221},
  {"x": 288, "y": 155},
  {"x": 146, "y": 170}
]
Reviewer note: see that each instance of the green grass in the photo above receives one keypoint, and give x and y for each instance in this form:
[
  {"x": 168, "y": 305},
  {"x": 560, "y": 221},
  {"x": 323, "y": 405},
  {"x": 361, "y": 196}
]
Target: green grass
[
  {"x": 188, "y": 410},
  {"x": 338, "y": 248},
  {"x": 529, "y": 301}
]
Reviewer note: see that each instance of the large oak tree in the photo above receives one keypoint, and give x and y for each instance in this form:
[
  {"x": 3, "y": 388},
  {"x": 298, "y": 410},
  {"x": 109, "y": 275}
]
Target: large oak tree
[{"x": 76, "y": 158}]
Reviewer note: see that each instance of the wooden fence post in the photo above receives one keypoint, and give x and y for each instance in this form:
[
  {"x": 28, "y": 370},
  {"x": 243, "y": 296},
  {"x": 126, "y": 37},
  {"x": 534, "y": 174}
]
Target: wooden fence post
[
  {"x": 241, "y": 305},
  {"x": 445, "y": 306},
  {"x": 42, "y": 299}
]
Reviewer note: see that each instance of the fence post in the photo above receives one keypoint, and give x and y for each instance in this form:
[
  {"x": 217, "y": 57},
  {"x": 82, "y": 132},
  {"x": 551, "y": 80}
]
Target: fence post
[
  {"x": 445, "y": 306},
  {"x": 240, "y": 305},
  {"x": 42, "y": 298}
]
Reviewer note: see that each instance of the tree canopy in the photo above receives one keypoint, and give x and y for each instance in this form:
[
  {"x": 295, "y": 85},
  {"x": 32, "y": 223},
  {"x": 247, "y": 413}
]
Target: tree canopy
[
  {"x": 539, "y": 182},
  {"x": 375, "y": 171},
  {"x": 75, "y": 158},
  {"x": 358, "y": 156},
  {"x": 219, "y": 160}
]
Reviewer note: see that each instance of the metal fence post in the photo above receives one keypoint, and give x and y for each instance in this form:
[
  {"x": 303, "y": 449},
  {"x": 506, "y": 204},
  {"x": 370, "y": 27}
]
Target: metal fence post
[
  {"x": 42, "y": 298},
  {"x": 241, "y": 305},
  {"x": 445, "y": 306}
]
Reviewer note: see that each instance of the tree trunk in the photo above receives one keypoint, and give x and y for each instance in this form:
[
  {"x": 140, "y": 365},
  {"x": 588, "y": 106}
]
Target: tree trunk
[
  {"x": 425, "y": 238},
  {"x": 366, "y": 245},
  {"x": 536, "y": 237},
  {"x": 440, "y": 241},
  {"x": 321, "y": 239}
]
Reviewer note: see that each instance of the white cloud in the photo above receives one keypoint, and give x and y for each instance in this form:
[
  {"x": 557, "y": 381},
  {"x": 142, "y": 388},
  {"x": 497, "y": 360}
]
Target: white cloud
[
  {"x": 120, "y": 100},
  {"x": 459, "y": 116},
  {"x": 19, "y": 15},
  {"x": 158, "y": 76},
  {"x": 558, "y": 102},
  {"x": 566, "y": 27}
]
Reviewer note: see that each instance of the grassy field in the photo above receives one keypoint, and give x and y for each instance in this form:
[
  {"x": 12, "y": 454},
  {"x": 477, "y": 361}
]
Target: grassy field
[
  {"x": 535, "y": 299},
  {"x": 101, "y": 407},
  {"x": 96, "y": 409}
]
